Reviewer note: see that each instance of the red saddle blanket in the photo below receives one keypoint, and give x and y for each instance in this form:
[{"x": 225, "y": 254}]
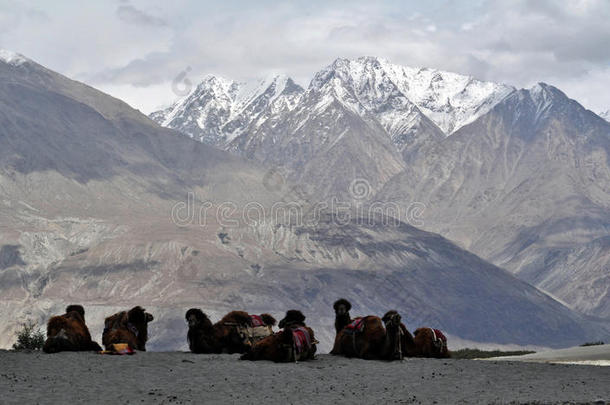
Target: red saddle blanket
[
  {"x": 438, "y": 335},
  {"x": 257, "y": 321},
  {"x": 302, "y": 340},
  {"x": 356, "y": 325}
]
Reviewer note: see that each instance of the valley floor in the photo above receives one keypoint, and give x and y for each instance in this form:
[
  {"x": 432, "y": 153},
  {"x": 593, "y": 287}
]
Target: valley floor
[{"x": 187, "y": 378}]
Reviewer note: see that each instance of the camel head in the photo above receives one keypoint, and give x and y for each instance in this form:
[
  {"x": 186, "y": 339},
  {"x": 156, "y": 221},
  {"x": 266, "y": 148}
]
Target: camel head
[
  {"x": 138, "y": 318},
  {"x": 138, "y": 315},
  {"x": 342, "y": 307},
  {"x": 293, "y": 317},
  {"x": 196, "y": 318},
  {"x": 392, "y": 319}
]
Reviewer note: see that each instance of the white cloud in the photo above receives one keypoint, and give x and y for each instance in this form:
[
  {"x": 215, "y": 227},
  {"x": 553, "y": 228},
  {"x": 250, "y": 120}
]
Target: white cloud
[{"x": 133, "y": 49}]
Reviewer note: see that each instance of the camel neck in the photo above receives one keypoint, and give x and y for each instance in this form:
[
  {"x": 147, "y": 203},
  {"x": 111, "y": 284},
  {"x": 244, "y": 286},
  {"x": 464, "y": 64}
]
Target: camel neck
[
  {"x": 408, "y": 340},
  {"x": 390, "y": 344},
  {"x": 341, "y": 321}
]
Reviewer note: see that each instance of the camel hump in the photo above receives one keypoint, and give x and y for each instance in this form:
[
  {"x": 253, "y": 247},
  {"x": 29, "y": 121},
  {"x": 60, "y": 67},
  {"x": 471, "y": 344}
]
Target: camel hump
[
  {"x": 238, "y": 317},
  {"x": 56, "y": 323},
  {"x": 417, "y": 331},
  {"x": 268, "y": 319},
  {"x": 115, "y": 319}
]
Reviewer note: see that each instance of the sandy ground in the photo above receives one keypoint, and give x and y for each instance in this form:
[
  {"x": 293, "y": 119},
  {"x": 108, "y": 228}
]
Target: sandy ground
[
  {"x": 187, "y": 378},
  {"x": 590, "y": 355}
]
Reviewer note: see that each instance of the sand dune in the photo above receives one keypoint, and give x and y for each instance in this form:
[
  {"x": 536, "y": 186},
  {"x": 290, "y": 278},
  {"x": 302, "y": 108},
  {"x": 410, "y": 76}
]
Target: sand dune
[
  {"x": 182, "y": 378},
  {"x": 589, "y": 355}
]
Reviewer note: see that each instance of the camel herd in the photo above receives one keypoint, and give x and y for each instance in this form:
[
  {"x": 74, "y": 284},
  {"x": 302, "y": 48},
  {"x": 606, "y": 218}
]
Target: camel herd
[{"x": 369, "y": 337}]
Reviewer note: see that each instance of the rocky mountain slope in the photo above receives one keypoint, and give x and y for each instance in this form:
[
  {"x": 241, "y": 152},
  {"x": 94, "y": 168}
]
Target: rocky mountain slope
[
  {"x": 526, "y": 186},
  {"x": 101, "y": 206}
]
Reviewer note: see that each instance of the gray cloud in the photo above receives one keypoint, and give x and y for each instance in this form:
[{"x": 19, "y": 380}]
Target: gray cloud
[{"x": 132, "y": 15}]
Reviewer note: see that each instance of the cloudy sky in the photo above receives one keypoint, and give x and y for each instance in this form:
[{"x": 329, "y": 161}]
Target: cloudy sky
[{"x": 136, "y": 49}]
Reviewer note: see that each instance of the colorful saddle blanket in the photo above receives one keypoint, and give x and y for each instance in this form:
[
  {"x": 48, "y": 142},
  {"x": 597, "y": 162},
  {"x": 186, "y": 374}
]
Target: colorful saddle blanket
[
  {"x": 302, "y": 340},
  {"x": 439, "y": 335},
  {"x": 440, "y": 340},
  {"x": 257, "y": 321},
  {"x": 119, "y": 349},
  {"x": 357, "y": 325}
]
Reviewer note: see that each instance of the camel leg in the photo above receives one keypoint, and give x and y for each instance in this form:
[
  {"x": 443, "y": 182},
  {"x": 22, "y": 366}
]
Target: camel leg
[
  {"x": 335, "y": 350},
  {"x": 398, "y": 347}
]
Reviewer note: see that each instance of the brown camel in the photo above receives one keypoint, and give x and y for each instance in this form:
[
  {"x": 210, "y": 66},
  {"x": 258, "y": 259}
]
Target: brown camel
[
  {"x": 426, "y": 342},
  {"x": 342, "y": 318},
  {"x": 68, "y": 332},
  {"x": 234, "y": 333},
  {"x": 296, "y": 342},
  {"x": 367, "y": 338},
  {"x": 130, "y": 327}
]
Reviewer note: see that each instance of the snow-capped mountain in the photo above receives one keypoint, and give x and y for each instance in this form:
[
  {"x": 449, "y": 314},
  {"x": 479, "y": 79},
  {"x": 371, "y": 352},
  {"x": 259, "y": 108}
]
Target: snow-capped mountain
[
  {"x": 450, "y": 100},
  {"x": 405, "y": 101},
  {"x": 218, "y": 110},
  {"x": 365, "y": 87},
  {"x": 605, "y": 115}
]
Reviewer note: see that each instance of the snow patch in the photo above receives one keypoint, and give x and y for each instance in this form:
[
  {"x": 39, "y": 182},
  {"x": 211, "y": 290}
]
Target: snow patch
[{"x": 12, "y": 58}]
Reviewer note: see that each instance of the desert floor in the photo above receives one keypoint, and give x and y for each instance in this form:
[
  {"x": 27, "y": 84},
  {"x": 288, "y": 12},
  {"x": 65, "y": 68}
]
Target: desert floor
[{"x": 188, "y": 378}]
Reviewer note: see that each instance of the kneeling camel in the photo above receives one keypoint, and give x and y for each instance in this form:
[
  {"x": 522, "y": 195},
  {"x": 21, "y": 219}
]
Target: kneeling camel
[
  {"x": 295, "y": 342},
  {"x": 130, "y": 327},
  {"x": 234, "y": 333},
  {"x": 68, "y": 332}
]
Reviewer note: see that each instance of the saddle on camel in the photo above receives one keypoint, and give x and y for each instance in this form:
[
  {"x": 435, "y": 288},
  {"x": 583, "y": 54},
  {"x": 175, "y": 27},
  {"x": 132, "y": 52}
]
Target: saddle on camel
[
  {"x": 127, "y": 327},
  {"x": 295, "y": 342},
  {"x": 236, "y": 332},
  {"x": 370, "y": 337},
  {"x": 68, "y": 332}
]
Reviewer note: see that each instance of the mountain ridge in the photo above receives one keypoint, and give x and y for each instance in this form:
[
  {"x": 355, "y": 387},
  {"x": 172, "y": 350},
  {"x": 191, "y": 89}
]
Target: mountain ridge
[{"x": 420, "y": 86}]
